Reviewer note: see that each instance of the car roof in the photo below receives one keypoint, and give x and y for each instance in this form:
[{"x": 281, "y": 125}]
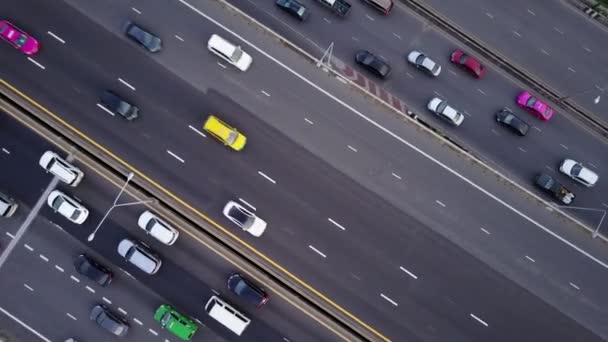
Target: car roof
[{"x": 221, "y": 44}]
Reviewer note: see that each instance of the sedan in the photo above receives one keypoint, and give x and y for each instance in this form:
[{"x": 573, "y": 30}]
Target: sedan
[
  {"x": 109, "y": 320},
  {"x": 469, "y": 63},
  {"x": 142, "y": 37},
  {"x": 441, "y": 108},
  {"x": 67, "y": 207},
  {"x": 424, "y": 63},
  {"x": 8, "y": 206},
  {"x": 242, "y": 287},
  {"x": 294, "y": 8},
  {"x": 66, "y": 172},
  {"x": 93, "y": 270},
  {"x": 115, "y": 104},
  {"x": 535, "y": 106},
  {"x": 229, "y": 52},
  {"x": 244, "y": 218},
  {"x": 18, "y": 38},
  {"x": 225, "y": 133},
  {"x": 578, "y": 172},
  {"x": 373, "y": 63},
  {"x": 157, "y": 228},
  {"x": 510, "y": 120}
]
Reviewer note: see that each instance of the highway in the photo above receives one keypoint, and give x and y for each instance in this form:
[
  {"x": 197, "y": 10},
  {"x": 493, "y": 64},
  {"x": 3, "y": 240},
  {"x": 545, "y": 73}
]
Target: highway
[
  {"x": 358, "y": 267},
  {"x": 52, "y": 298}
]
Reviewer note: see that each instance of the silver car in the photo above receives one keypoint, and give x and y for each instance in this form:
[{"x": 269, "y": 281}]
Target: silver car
[
  {"x": 8, "y": 206},
  {"x": 139, "y": 256}
]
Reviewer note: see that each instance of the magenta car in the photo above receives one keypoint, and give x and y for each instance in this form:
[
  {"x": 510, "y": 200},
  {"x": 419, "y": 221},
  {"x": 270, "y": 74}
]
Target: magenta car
[
  {"x": 535, "y": 106},
  {"x": 17, "y": 38}
]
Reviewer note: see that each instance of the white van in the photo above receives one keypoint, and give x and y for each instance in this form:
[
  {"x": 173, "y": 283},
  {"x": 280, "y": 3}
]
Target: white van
[{"x": 227, "y": 315}]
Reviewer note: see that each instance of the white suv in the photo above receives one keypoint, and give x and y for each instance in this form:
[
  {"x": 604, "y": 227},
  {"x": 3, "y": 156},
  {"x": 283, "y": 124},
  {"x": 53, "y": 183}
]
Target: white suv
[
  {"x": 157, "y": 228},
  {"x": 229, "y": 52},
  {"x": 66, "y": 172}
]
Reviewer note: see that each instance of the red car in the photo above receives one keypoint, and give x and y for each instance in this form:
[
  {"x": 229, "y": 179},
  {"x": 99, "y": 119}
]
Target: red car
[
  {"x": 18, "y": 38},
  {"x": 471, "y": 64},
  {"x": 535, "y": 106}
]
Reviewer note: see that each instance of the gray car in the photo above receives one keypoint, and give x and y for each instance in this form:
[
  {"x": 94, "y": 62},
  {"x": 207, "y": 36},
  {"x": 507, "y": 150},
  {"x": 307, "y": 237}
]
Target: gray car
[
  {"x": 143, "y": 37},
  {"x": 108, "y": 320},
  {"x": 139, "y": 256}
]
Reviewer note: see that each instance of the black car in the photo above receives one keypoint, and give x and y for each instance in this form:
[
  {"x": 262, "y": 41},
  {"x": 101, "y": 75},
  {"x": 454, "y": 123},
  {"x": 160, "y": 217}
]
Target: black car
[
  {"x": 294, "y": 8},
  {"x": 244, "y": 288},
  {"x": 117, "y": 105},
  {"x": 109, "y": 320},
  {"x": 91, "y": 269},
  {"x": 517, "y": 125},
  {"x": 373, "y": 63},
  {"x": 142, "y": 37}
]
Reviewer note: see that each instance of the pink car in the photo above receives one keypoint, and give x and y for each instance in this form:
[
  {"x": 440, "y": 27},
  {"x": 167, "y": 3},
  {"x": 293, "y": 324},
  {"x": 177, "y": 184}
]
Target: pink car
[
  {"x": 534, "y": 106},
  {"x": 17, "y": 38}
]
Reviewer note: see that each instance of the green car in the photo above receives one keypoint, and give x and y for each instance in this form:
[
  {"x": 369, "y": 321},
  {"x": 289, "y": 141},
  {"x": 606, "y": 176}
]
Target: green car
[{"x": 180, "y": 325}]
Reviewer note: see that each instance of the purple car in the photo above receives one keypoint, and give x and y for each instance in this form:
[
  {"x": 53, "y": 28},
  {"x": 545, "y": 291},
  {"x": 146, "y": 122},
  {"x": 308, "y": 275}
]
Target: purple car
[
  {"x": 535, "y": 106},
  {"x": 18, "y": 38}
]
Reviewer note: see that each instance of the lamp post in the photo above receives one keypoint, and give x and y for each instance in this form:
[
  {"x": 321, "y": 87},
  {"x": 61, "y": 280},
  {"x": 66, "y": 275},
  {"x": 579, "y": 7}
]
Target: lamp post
[{"x": 116, "y": 204}]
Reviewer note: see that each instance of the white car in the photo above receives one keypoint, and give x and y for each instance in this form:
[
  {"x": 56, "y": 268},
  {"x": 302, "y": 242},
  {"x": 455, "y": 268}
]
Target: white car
[
  {"x": 229, "y": 52},
  {"x": 67, "y": 207},
  {"x": 421, "y": 61},
  {"x": 441, "y": 108},
  {"x": 244, "y": 219},
  {"x": 157, "y": 228},
  {"x": 578, "y": 172},
  {"x": 139, "y": 255},
  {"x": 66, "y": 172},
  {"x": 8, "y": 206}
]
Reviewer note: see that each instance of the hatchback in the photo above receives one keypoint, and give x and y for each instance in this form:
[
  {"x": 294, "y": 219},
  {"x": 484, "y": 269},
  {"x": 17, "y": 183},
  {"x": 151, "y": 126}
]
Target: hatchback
[
  {"x": 157, "y": 228},
  {"x": 373, "y": 63},
  {"x": 578, "y": 172},
  {"x": 109, "y": 320},
  {"x": 66, "y": 172},
  {"x": 512, "y": 121},
  {"x": 242, "y": 287},
  {"x": 67, "y": 207},
  {"x": 535, "y": 106},
  {"x": 93, "y": 270},
  {"x": 225, "y": 133},
  {"x": 142, "y": 37},
  {"x": 244, "y": 218},
  {"x": 229, "y": 52},
  {"x": 18, "y": 38},
  {"x": 178, "y": 324}
]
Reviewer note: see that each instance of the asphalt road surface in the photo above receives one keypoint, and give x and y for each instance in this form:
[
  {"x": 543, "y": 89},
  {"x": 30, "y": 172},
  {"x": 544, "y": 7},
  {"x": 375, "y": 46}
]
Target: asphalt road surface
[{"x": 358, "y": 262}]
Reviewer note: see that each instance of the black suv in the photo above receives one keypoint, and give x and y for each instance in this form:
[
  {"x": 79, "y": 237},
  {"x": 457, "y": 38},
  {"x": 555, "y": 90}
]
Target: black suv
[
  {"x": 142, "y": 37},
  {"x": 93, "y": 270},
  {"x": 244, "y": 288}
]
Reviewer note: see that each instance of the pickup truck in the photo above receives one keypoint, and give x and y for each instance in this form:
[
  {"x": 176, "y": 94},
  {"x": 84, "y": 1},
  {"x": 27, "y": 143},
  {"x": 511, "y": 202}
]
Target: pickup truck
[
  {"x": 339, "y": 7},
  {"x": 558, "y": 191}
]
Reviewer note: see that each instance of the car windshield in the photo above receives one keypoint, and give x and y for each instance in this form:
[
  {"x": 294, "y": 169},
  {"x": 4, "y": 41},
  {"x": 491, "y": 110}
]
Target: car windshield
[
  {"x": 3, "y": 28},
  {"x": 463, "y": 59},
  {"x": 241, "y": 288},
  {"x": 442, "y": 106},
  {"x": 21, "y": 40},
  {"x": 508, "y": 118},
  {"x": 420, "y": 59},
  {"x": 166, "y": 319},
  {"x": 236, "y": 55},
  {"x": 531, "y": 101},
  {"x": 150, "y": 224},
  {"x": 123, "y": 108},
  {"x": 240, "y": 216},
  {"x": 58, "y": 202},
  {"x": 76, "y": 214},
  {"x": 231, "y": 138},
  {"x": 576, "y": 169},
  {"x": 547, "y": 111}
]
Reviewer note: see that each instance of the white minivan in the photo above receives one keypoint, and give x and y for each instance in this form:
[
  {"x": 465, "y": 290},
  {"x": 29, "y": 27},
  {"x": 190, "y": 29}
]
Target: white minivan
[{"x": 227, "y": 315}]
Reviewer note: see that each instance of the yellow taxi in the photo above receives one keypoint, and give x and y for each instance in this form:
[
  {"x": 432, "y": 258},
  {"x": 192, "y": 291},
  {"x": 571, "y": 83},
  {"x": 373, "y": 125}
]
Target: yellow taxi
[{"x": 224, "y": 133}]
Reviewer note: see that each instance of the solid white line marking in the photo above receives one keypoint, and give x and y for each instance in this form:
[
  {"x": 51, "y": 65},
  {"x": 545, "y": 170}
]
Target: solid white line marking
[
  {"x": 136, "y": 10},
  {"x": 389, "y": 300},
  {"x": 310, "y": 122},
  {"x": 32, "y": 330},
  {"x": 485, "y": 231},
  {"x": 265, "y": 176},
  {"x": 197, "y": 131},
  {"x": 125, "y": 83},
  {"x": 56, "y": 37},
  {"x": 564, "y": 146},
  {"x": 10, "y": 235},
  {"x": 153, "y": 332},
  {"x": 28, "y": 247},
  {"x": 222, "y": 65},
  {"x": 481, "y": 91},
  {"x": 439, "y": 202},
  {"x": 545, "y": 52},
  {"x": 370, "y": 18},
  {"x": 90, "y": 289},
  {"x": 316, "y": 250},
  {"x": 44, "y": 258},
  {"x": 527, "y": 257},
  {"x": 71, "y": 316},
  {"x": 396, "y": 175},
  {"x": 59, "y": 268},
  {"x": 396, "y": 35},
  {"x": 490, "y": 15},
  {"x": 180, "y": 38},
  {"x": 341, "y": 80},
  {"x": 576, "y": 287},
  {"x": 265, "y": 93},
  {"x": 479, "y": 320},
  {"x": 396, "y": 137},
  {"x": 137, "y": 321},
  {"x": 352, "y": 148},
  {"x": 75, "y": 279},
  {"x": 38, "y": 64},
  {"x": 530, "y": 11},
  {"x": 6, "y": 151},
  {"x": 106, "y": 300},
  {"x": 175, "y": 156},
  {"x": 28, "y": 287},
  {"x": 335, "y": 223},
  {"x": 247, "y": 204},
  {"x": 569, "y": 68},
  {"x": 521, "y": 149},
  {"x": 122, "y": 311},
  {"x": 408, "y": 272},
  {"x": 517, "y": 33},
  {"x": 558, "y": 30}
]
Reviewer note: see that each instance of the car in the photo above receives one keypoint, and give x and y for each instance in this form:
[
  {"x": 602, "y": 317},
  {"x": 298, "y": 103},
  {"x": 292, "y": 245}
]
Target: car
[
  {"x": 157, "y": 228},
  {"x": 67, "y": 207},
  {"x": 143, "y": 37},
  {"x": 469, "y": 63},
  {"x": 66, "y": 172},
  {"x": 93, "y": 270},
  {"x": 109, "y": 320},
  {"x": 558, "y": 191},
  {"x": 578, "y": 172},
  {"x": 139, "y": 255},
  {"x": 384, "y": 6},
  {"x": 242, "y": 287},
  {"x": 424, "y": 63},
  {"x": 115, "y": 104},
  {"x": 178, "y": 324},
  {"x": 373, "y": 63},
  {"x": 18, "y": 38},
  {"x": 441, "y": 108},
  {"x": 294, "y": 8},
  {"x": 8, "y": 206},
  {"x": 225, "y": 133},
  {"x": 512, "y": 121},
  {"x": 244, "y": 218},
  {"x": 229, "y": 52},
  {"x": 535, "y": 106}
]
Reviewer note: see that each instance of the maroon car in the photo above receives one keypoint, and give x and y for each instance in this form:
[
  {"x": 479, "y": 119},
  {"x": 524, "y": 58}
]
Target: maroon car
[{"x": 469, "y": 63}]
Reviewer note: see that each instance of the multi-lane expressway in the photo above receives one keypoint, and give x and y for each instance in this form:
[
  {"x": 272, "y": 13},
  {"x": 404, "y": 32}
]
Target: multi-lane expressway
[{"x": 391, "y": 207}]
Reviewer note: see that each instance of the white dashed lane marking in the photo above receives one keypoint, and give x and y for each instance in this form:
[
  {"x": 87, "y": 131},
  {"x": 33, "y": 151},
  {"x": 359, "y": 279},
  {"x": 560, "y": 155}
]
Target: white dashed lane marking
[
  {"x": 153, "y": 332},
  {"x": 36, "y": 63},
  {"x": 126, "y": 84},
  {"x": 310, "y": 122},
  {"x": 388, "y": 299},
  {"x": 268, "y": 178},
  {"x": 105, "y": 109},
  {"x": 479, "y": 320},
  {"x": 558, "y": 30},
  {"x": 44, "y": 258},
  {"x": 106, "y": 300},
  {"x": 370, "y": 18},
  {"x": 59, "y": 268},
  {"x": 569, "y": 68},
  {"x": 574, "y": 285},
  {"x": 527, "y": 257},
  {"x": 265, "y": 93},
  {"x": 136, "y": 10},
  {"x": 10, "y": 235},
  {"x": 75, "y": 279},
  {"x": 28, "y": 247},
  {"x": 485, "y": 230},
  {"x": 408, "y": 272},
  {"x": 316, "y": 250},
  {"x": 335, "y": 223},
  {"x": 6, "y": 151},
  {"x": 531, "y": 12},
  {"x": 90, "y": 289},
  {"x": 440, "y": 203},
  {"x": 137, "y": 321},
  {"x": 396, "y": 175},
  {"x": 517, "y": 33},
  {"x": 71, "y": 316},
  {"x": 545, "y": 52},
  {"x": 197, "y": 131},
  {"x": 28, "y": 287},
  {"x": 179, "y": 38},
  {"x": 56, "y": 37},
  {"x": 352, "y": 148},
  {"x": 122, "y": 311},
  {"x": 564, "y": 146},
  {"x": 489, "y": 15},
  {"x": 176, "y": 156},
  {"x": 396, "y": 35}
]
